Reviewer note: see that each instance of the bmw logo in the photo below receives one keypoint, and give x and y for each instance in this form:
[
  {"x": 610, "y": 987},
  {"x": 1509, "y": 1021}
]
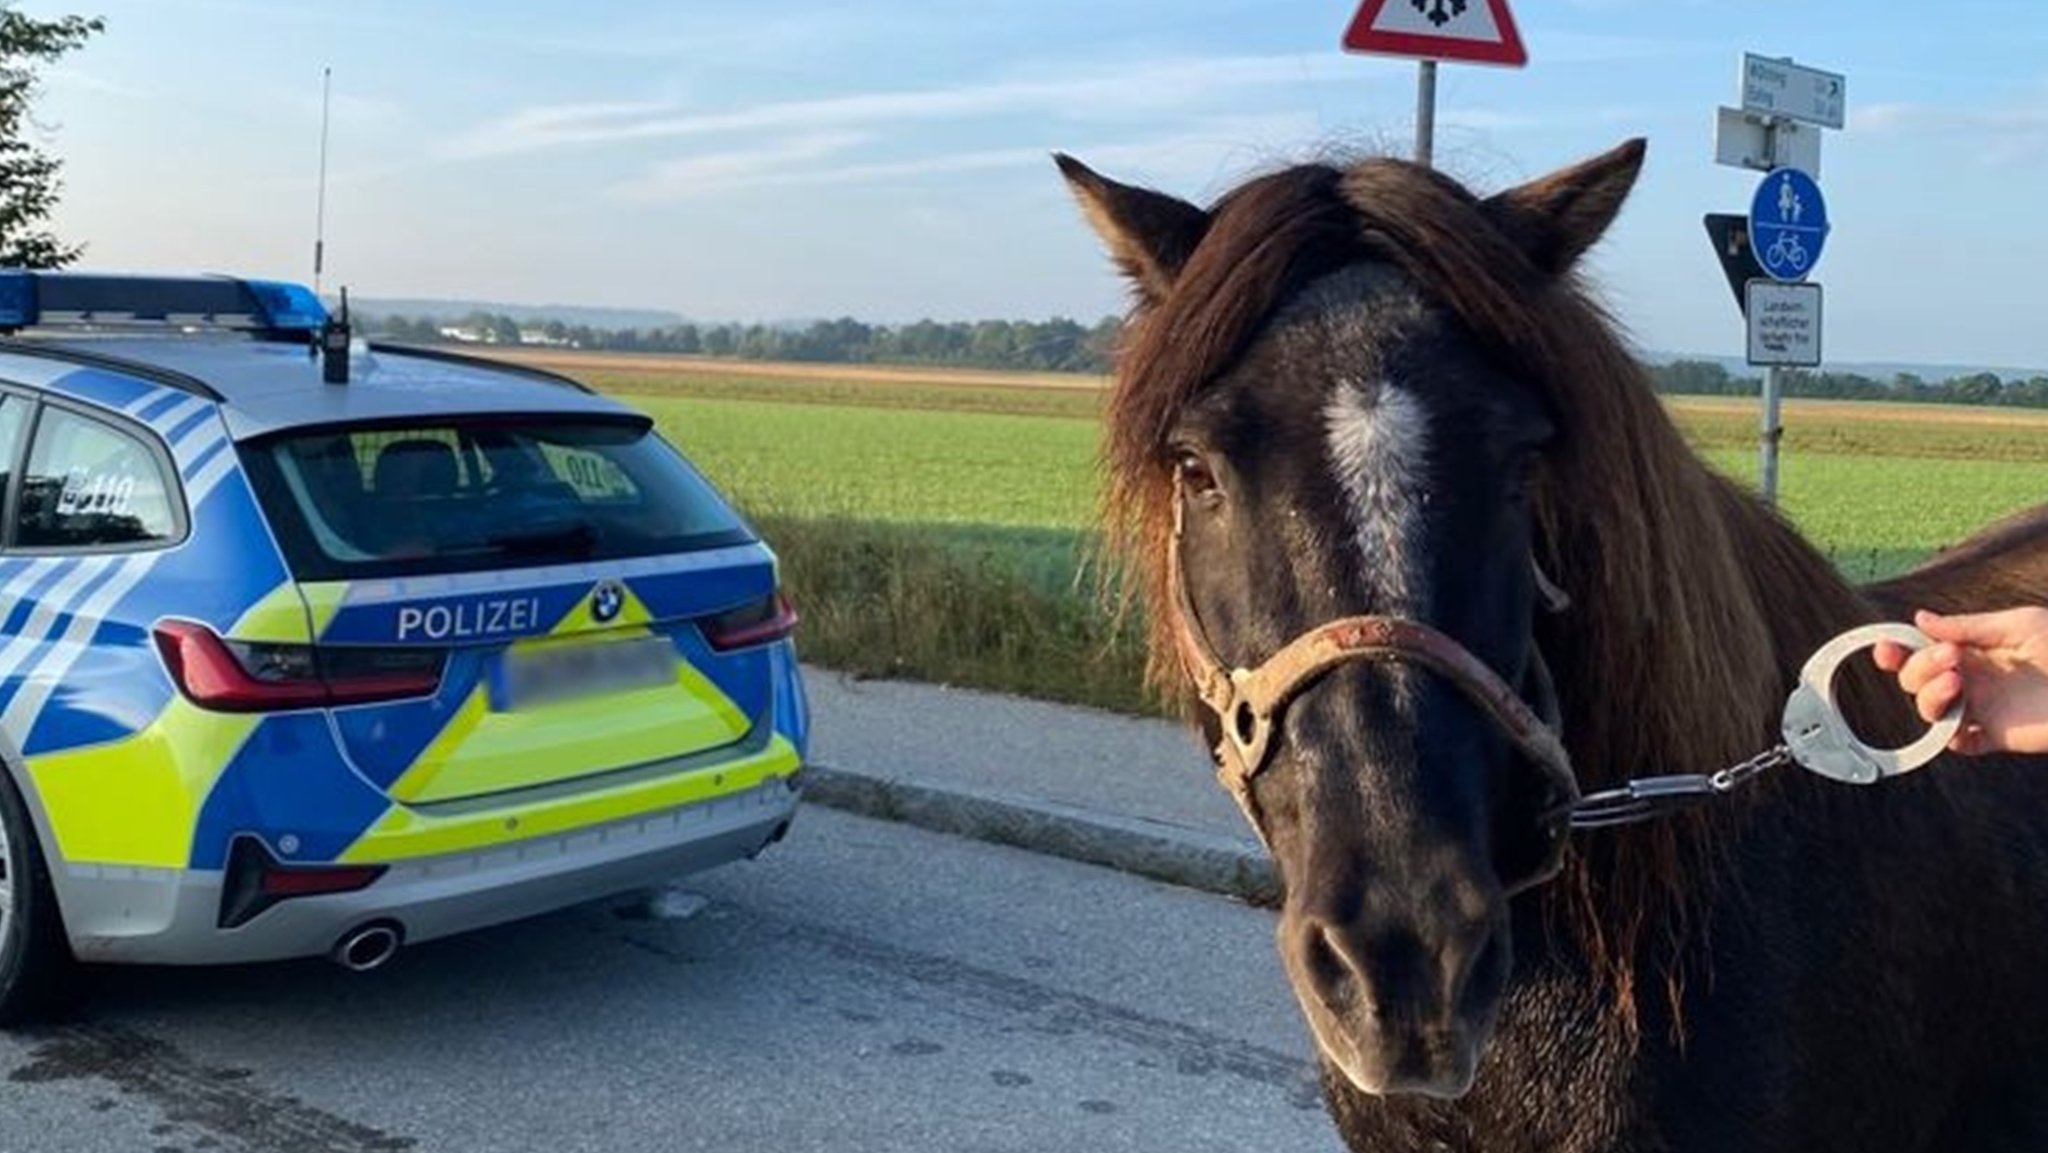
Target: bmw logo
[{"x": 606, "y": 602}]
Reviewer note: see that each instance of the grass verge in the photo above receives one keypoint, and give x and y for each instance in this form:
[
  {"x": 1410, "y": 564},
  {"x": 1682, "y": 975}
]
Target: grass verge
[{"x": 951, "y": 606}]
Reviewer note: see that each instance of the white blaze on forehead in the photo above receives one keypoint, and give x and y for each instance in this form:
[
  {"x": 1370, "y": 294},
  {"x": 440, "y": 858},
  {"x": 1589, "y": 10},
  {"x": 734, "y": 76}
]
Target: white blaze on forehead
[{"x": 1379, "y": 442}]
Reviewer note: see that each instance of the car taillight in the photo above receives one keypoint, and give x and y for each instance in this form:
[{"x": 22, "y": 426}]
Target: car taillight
[
  {"x": 242, "y": 677},
  {"x": 756, "y": 623}
]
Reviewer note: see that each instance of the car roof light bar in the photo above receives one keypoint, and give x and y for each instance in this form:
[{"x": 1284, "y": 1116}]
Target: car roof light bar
[{"x": 272, "y": 309}]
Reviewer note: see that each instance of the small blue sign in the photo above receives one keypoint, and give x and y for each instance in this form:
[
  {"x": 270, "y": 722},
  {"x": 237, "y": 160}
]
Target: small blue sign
[{"x": 1788, "y": 223}]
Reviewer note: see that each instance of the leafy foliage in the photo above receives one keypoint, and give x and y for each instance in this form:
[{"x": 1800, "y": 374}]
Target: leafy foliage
[
  {"x": 1707, "y": 378},
  {"x": 29, "y": 183},
  {"x": 1056, "y": 345},
  {"x": 1063, "y": 345}
]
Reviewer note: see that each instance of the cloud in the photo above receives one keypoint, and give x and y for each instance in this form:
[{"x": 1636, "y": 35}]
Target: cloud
[
  {"x": 1157, "y": 86},
  {"x": 1999, "y": 134},
  {"x": 1560, "y": 47},
  {"x": 62, "y": 77},
  {"x": 746, "y": 167},
  {"x": 352, "y": 111},
  {"x": 1885, "y": 118},
  {"x": 1191, "y": 156},
  {"x": 1486, "y": 119},
  {"x": 680, "y": 180}
]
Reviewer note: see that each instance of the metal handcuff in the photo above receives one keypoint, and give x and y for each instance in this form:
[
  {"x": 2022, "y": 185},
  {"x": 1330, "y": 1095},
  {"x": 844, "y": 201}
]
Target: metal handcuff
[{"x": 1817, "y": 738}]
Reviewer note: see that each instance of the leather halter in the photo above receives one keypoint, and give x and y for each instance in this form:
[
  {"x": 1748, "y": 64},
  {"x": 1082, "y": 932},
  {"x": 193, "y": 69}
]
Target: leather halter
[{"x": 1247, "y": 701}]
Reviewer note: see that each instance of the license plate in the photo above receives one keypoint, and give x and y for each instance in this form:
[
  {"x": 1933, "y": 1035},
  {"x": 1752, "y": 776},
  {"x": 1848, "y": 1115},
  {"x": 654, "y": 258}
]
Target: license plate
[{"x": 530, "y": 678}]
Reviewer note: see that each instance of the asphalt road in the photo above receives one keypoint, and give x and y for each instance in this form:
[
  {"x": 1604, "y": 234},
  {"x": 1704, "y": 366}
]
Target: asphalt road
[{"x": 864, "y": 986}]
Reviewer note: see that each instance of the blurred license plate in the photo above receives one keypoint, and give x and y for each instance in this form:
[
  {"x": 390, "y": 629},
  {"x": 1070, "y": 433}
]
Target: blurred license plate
[{"x": 533, "y": 677}]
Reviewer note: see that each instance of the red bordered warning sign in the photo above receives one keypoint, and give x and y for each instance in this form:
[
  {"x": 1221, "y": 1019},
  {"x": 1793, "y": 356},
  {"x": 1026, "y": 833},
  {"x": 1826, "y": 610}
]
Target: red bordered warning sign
[{"x": 1476, "y": 31}]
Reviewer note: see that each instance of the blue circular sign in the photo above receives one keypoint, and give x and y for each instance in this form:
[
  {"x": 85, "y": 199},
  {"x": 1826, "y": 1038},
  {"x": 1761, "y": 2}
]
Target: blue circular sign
[{"x": 1788, "y": 223}]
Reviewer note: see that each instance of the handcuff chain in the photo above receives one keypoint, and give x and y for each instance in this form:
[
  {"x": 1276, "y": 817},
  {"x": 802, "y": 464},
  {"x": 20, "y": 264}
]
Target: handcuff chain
[{"x": 1730, "y": 778}]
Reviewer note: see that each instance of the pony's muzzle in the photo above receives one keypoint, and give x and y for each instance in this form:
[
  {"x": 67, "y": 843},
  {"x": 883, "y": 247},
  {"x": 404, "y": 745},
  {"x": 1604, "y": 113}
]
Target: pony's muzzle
[{"x": 1393, "y": 1015}]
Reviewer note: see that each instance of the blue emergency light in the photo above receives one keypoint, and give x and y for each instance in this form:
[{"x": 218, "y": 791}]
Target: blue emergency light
[{"x": 273, "y": 309}]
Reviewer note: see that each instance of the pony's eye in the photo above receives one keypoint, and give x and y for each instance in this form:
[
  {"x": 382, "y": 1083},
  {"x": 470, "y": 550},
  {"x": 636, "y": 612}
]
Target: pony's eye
[
  {"x": 1522, "y": 475},
  {"x": 1195, "y": 477}
]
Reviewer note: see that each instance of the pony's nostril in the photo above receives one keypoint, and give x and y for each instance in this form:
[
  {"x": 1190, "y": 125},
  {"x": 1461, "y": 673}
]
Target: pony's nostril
[
  {"x": 1244, "y": 722},
  {"x": 1329, "y": 971}
]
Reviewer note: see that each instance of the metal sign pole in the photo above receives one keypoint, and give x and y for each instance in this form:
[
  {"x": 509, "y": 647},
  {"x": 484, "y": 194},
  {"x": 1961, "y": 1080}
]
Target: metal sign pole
[
  {"x": 1777, "y": 130},
  {"x": 1773, "y": 431},
  {"x": 1425, "y": 114},
  {"x": 1773, "y": 427}
]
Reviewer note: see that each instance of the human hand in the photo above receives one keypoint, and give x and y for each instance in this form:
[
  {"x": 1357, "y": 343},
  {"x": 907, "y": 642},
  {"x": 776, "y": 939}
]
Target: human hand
[{"x": 1995, "y": 663}]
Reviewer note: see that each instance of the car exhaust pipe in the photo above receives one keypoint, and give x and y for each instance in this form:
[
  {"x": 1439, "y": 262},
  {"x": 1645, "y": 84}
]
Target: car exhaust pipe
[{"x": 367, "y": 948}]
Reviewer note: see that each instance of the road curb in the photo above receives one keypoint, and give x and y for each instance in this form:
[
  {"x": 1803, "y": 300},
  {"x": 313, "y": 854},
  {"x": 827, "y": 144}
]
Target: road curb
[{"x": 1164, "y": 852}]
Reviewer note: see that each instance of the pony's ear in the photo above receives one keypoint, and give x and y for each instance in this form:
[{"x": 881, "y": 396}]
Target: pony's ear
[
  {"x": 1149, "y": 234},
  {"x": 1557, "y": 218}
]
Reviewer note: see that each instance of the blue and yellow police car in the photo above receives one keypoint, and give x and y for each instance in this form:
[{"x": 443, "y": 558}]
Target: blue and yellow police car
[{"x": 312, "y": 646}]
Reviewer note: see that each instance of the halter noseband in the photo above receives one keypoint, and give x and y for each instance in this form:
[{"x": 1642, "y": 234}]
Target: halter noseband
[{"x": 1246, "y": 701}]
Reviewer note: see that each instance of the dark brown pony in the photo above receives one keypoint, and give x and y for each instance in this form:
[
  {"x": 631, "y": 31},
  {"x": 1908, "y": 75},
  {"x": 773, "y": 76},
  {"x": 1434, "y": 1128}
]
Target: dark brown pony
[{"x": 1366, "y": 390}]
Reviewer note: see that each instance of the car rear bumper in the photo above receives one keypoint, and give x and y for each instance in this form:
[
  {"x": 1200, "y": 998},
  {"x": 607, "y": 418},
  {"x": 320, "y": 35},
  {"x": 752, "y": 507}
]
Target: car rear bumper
[{"x": 171, "y": 916}]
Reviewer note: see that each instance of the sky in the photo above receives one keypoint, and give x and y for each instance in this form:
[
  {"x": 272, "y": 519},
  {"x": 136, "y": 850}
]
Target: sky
[{"x": 890, "y": 159}]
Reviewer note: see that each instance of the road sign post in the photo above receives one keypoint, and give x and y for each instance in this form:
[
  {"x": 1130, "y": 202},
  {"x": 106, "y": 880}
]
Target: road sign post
[
  {"x": 1425, "y": 113},
  {"x": 1772, "y": 432},
  {"x": 1768, "y": 256},
  {"x": 1473, "y": 31}
]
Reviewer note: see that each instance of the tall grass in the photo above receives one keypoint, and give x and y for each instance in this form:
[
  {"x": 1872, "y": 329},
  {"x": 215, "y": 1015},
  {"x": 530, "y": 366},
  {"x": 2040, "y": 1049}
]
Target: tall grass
[{"x": 920, "y": 602}]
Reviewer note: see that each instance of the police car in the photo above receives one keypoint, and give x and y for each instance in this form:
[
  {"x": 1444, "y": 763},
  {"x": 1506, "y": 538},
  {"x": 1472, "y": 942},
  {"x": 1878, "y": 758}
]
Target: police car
[{"x": 310, "y": 646}]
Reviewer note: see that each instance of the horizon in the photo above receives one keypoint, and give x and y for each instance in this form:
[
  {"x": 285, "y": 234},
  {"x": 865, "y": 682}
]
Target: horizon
[
  {"x": 526, "y": 314},
  {"x": 739, "y": 163}
]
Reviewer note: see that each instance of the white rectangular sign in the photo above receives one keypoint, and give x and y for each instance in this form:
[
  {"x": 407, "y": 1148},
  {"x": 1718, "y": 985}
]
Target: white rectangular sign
[
  {"x": 1784, "y": 323},
  {"x": 1782, "y": 88},
  {"x": 1746, "y": 140}
]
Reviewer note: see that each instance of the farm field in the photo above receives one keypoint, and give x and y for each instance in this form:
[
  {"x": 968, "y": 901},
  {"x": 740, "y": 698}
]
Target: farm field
[
  {"x": 1870, "y": 483},
  {"x": 895, "y": 494}
]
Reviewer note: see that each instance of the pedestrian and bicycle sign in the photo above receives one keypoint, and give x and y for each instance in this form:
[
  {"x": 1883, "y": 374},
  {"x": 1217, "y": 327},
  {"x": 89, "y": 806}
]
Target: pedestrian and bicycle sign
[{"x": 1788, "y": 223}]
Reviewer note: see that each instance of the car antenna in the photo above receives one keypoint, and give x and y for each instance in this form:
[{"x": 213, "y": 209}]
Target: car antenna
[
  {"x": 334, "y": 331},
  {"x": 334, "y": 338},
  {"x": 320, "y": 200}
]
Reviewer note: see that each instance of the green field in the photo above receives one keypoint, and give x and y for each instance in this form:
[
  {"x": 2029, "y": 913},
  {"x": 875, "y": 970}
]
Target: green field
[
  {"x": 1876, "y": 512},
  {"x": 940, "y": 529}
]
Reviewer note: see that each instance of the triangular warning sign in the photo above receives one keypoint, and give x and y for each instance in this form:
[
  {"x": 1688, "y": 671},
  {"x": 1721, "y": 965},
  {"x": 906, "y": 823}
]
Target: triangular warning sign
[{"x": 1478, "y": 31}]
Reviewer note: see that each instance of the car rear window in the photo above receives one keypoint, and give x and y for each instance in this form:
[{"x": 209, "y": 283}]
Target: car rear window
[{"x": 352, "y": 503}]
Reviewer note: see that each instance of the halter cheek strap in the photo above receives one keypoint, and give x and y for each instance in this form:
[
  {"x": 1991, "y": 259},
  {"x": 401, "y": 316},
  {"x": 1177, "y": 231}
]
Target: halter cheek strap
[{"x": 1246, "y": 702}]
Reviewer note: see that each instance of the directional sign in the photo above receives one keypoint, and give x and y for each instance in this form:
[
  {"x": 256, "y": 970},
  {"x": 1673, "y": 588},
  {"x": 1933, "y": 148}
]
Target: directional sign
[
  {"x": 1782, "y": 88},
  {"x": 1784, "y": 323},
  {"x": 1749, "y": 140},
  {"x": 1788, "y": 223},
  {"x": 1475, "y": 31}
]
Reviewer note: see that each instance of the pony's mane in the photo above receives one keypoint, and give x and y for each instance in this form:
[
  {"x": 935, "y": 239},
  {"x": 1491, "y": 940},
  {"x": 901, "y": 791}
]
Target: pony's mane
[{"x": 1693, "y": 604}]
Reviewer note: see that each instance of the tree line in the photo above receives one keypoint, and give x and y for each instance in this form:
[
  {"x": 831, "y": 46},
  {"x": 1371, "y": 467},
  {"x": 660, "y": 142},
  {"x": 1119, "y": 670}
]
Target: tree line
[
  {"x": 1709, "y": 378},
  {"x": 1062, "y": 345},
  {"x": 1056, "y": 345}
]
